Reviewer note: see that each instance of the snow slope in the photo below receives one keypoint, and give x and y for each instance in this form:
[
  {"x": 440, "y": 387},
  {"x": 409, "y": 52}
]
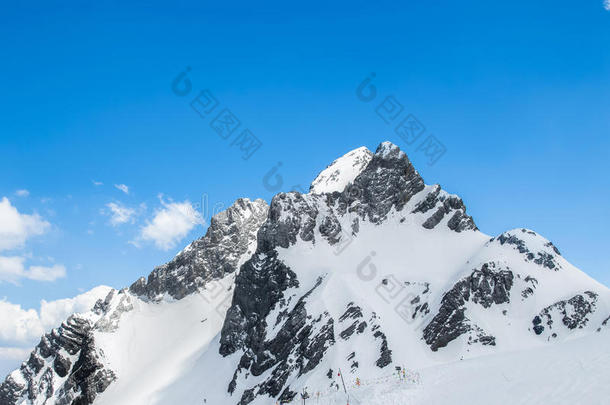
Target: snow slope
[
  {"x": 570, "y": 373},
  {"x": 574, "y": 372},
  {"x": 341, "y": 172},
  {"x": 176, "y": 334}
]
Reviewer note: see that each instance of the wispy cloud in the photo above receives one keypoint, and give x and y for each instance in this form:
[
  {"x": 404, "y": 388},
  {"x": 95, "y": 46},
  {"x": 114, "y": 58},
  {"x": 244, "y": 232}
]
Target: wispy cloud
[
  {"x": 119, "y": 214},
  {"x": 607, "y": 4},
  {"x": 22, "y": 193},
  {"x": 13, "y": 269},
  {"x": 170, "y": 224},
  {"x": 97, "y": 183},
  {"x": 46, "y": 273},
  {"x": 122, "y": 187}
]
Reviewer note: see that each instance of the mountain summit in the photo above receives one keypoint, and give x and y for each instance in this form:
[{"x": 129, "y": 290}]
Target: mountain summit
[{"x": 371, "y": 271}]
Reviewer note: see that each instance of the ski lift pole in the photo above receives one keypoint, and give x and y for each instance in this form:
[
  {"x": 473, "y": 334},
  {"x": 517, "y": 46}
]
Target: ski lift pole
[
  {"x": 304, "y": 395},
  {"x": 344, "y": 389}
]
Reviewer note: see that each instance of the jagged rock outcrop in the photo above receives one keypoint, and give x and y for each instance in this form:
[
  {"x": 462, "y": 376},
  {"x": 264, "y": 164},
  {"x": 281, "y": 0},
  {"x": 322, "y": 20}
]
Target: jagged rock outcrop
[
  {"x": 229, "y": 237},
  {"x": 445, "y": 205},
  {"x": 532, "y": 247},
  {"x": 485, "y": 286},
  {"x": 65, "y": 368},
  {"x": 388, "y": 182},
  {"x": 572, "y": 313}
]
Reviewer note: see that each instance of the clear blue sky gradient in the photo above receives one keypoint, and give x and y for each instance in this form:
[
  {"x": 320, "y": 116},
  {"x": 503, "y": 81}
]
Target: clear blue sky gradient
[{"x": 518, "y": 92}]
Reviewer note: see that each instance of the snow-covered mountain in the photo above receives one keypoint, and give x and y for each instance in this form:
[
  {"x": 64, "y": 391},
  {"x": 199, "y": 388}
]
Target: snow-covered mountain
[{"x": 370, "y": 271}]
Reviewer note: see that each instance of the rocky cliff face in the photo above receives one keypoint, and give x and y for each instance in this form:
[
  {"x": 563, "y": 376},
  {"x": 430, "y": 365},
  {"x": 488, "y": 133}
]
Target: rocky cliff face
[
  {"x": 486, "y": 286},
  {"x": 281, "y": 334},
  {"x": 262, "y": 302},
  {"x": 64, "y": 368},
  {"x": 230, "y": 236}
]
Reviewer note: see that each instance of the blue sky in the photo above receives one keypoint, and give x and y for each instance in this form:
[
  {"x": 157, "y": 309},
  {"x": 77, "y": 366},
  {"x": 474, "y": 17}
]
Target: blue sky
[{"x": 516, "y": 92}]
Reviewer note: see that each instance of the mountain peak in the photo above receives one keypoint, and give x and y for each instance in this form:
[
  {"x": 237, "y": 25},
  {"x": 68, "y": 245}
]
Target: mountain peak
[
  {"x": 388, "y": 149},
  {"x": 342, "y": 171}
]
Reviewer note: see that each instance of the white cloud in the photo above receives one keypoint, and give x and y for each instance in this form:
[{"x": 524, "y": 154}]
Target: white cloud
[
  {"x": 12, "y": 269},
  {"x": 11, "y": 358},
  {"x": 97, "y": 183},
  {"x": 170, "y": 224},
  {"x": 123, "y": 188},
  {"x": 52, "y": 313},
  {"x": 120, "y": 214},
  {"x": 16, "y": 228},
  {"x": 607, "y": 4},
  {"x": 20, "y": 329},
  {"x": 18, "y": 325},
  {"x": 22, "y": 193},
  {"x": 45, "y": 273}
]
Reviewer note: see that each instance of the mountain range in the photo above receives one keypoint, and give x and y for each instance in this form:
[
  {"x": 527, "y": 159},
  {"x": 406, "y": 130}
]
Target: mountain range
[{"x": 334, "y": 293}]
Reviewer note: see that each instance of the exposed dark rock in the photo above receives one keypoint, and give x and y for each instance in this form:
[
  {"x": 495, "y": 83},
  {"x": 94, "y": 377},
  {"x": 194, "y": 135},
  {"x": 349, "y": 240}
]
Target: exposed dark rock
[
  {"x": 86, "y": 378},
  {"x": 11, "y": 391},
  {"x": 347, "y": 333},
  {"x": 352, "y": 312},
  {"x": 446, "y": 205},
  {"x": 61, "y": 365},
  {"x": 213, "y": 256},
  {"x": 297, "y": 338},
  {"x": 430, "y": 201},
  {"x": 538, "y": 328},
  {"x": 573, "y": 313},
  {"x": 290, "y": 216},
  {"x": 485, "y": 286},
  {"x": 35, "y": 363},
  {"x": 543, "y": 258},
  {"x": 385, "y": 356},
  {"x": 388, "y": 181},
  {"x": 528, "y": 291}
]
